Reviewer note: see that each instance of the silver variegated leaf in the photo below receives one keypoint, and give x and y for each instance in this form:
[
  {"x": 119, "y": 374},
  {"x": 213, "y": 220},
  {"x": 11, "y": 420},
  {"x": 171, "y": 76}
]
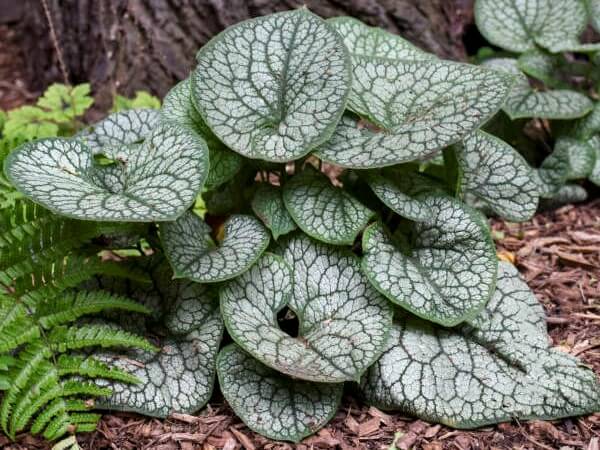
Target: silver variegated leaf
[
  {"x": 418, "y": 107},
  {"x": 180, "y": 377},
  {"x": 178, "y": 107},
  {"x": 495, "y": 369},
  {"x": 273, "y": 87},
  {"x": 594, "y": 11},
  {"x": 496, "y": 173},
  {"x": 520, "y": 26},
  {"x": 268, "y": 205},
  {"x": 568, "y": 193},
  {"x": 401, "y": 193},
  {"x": 451, "y": 271},
  {"x": 120, "y": 130},
  {"x": 156, "y": 180},
  {"x": 324, "y": 211},
  {"x": 541, "y": 65},
  {"x": 594, "y": 175},
  {"x": 587, "y": 126},
  {"x": 581, "y": 157},
  {"x": 272, "y": 404},
  {"x": 193, "y": 254},
  {"x": 524, "y": 101},
  {"x": 363, "y": 40},
  {"x": 344, "y": 322}
]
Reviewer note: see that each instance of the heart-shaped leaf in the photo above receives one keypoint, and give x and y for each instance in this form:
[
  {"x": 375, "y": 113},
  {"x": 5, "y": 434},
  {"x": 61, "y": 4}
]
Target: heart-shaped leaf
[
  {"x": 268, "y": 205},
  {"x": 495, "y": 369},
  {"x": 363, "y": 40},
  {"x": 521, "y": 26},
  {"x": 156, "y": 180},
  {"x": 272, "y": 404},
  {"x": 180, "y": 377},
  {"x": 417, "y": 107},
  {"x": 343, "y": 321},
  {"x": 524, "y": 102},
  {"x": 120, "y": 129},
  {"x": 193, "y": 254},
  {"x": 496, "y": 173},
  {"x": 451, "y": 272},
  {"x": 273, "y": 87},
  {"x": 571, "y": 159},
  {"x": 178, "y": 107},
  {"x": 401, "y": 193},
  {"x": 323, "y": 211}
]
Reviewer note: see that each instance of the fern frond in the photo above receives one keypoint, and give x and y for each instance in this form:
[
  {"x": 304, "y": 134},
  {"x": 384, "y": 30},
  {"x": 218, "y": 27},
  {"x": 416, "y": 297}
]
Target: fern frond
[
  {"x": 70, "y": 306},
  {"x": 51, "y": 279},
  {"x": 78, "y": 337},
  {"x": 59, "y": 405},
  {"x": 43, "y": 257},
  {"x": 16, "y": 326},
  {"x": 92, "y": 368}
]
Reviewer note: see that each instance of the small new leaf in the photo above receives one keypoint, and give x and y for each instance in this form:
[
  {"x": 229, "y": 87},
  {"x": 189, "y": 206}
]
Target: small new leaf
[
  {"x": 323, "y": 211},
  {"x": 193, "y": 254}
]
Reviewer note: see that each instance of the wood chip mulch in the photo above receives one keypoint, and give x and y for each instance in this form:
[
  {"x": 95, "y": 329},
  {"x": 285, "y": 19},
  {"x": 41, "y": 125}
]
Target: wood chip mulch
[{"x": 558, "y": 253}]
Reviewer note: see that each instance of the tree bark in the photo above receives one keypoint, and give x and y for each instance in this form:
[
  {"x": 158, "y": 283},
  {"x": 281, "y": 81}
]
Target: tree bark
[{"x": 127, "y": 45}]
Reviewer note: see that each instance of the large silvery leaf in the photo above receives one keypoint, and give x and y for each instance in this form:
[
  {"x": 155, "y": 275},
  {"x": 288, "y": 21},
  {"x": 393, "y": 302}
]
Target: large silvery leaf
[
  {"x": 520, "y": 26},
  {"x": 156, "y": 180},
  {"x": 363, "y": 40},
  {"x": 451, "y": 272},
  {"x": 273, "y": 87},
  {"x": 401, "y": 193},
  {"x": 496, "y": 369},
  {"x": 524, "y": 101},
  {"x": 268, "y": 205},
  {"x": 343, "y": 321},
  {"x": 324, "y": 211},
  {"x": 417, "y": 107},
  {"x": 272, "y": 404},
  {"x": 180, "y": 377},
  {"x": 496, "y": 173},
  {"x": 193, "y": 254},
  {"x": 178, "y": 107}
]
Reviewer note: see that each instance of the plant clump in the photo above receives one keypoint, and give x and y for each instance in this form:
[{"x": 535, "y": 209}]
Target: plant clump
[{"x": 304, "y": 191}]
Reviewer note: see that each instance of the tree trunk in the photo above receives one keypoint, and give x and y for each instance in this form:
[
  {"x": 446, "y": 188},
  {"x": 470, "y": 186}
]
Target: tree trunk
[{"x": 126, "y": 45}]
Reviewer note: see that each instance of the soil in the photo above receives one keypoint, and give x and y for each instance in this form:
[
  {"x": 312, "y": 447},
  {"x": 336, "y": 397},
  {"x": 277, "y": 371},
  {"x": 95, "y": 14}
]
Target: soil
[{"x": 558, "y": 254}]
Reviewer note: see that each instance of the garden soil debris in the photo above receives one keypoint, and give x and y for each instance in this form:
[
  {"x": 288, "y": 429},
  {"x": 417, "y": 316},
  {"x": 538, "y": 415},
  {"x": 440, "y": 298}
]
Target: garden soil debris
[{"x": 558, "y": 253}]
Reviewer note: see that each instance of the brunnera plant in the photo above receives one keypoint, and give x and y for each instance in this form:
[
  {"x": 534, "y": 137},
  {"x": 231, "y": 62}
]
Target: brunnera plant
[
  {"x": 557, "y": 81},
  {"x": 333, "y": 160}
]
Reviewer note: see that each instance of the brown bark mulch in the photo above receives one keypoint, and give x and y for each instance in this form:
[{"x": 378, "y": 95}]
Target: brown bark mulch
[{"x": 558, "y": 253}]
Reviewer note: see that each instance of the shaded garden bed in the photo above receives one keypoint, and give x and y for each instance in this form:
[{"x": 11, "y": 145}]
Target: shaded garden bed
[{"x": 558, "y": 254}]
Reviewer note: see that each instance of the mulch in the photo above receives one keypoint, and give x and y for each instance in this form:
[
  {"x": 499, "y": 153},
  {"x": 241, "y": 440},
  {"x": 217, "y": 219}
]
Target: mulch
[{"x": 558, "y": 254}]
